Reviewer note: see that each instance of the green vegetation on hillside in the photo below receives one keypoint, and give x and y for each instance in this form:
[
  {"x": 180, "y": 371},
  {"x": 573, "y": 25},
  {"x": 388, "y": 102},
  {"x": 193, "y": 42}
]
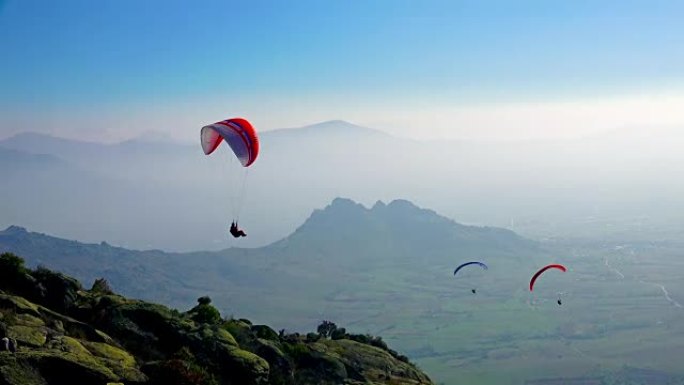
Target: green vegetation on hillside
[{"x": 67, "y": 334}]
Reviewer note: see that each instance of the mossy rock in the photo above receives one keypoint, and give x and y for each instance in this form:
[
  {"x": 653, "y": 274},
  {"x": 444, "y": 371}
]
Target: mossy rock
[
  {"x": 244, "y": 367},
  {"x": 28, "y": 335},
  {"x": 45, "y": 367},
  {"x": 28, "y": 320},
  {"x": 121, "y": 362},
  {"x": 67, "y": 368},
  {"x": 265, "y": 332},
  {"x": 18, "y": 305},
  {"x": 280, "y": 365},
  {"x": 156, "y": 319},
  {"x": 141, "y": 311},
  {"x": 108, "y": 301},
  {"x": 370, "y": 362},
  {"x": 211, "y": 333},
  {"x": 265, "y": 348},
  {"x": 238, "y": 329},
  {"x": 57, "y": 291},
  {"x": 86, "y": 332},
  {"x": 18, "y": 372},
  {"x": 72, "y": 345},
  {"x": 315, "y": 367},
  {"x": 225, "y": 337},
  {"x": 28, "y": 314},
  {"x": 57, "y": 326},
  {"x": 104, "y": 338},
  {"x": 73, "y": 349},
  {"x": 249, "y": 359},
  {"x": 110, "y": 352}
]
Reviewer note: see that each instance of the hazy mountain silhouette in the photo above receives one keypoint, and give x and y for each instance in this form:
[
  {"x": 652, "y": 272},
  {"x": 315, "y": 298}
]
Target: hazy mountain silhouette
[
  {"x": 9, "y": 159},
  {"x": 153, "y": 193},
  {"x": 398, "y": 231},
  {"x": 339, "y": 128},
  {"x": 158, "y": 179},
  {"x": 325, "y": 252},
  {"x": 38, "y": 143}
]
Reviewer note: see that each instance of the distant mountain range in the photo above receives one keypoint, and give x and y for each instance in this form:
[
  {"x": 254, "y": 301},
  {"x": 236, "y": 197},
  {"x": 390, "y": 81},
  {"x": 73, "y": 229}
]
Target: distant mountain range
[
  {"x": 340, "y": 250},
  {"x": 151, "y": 192}
]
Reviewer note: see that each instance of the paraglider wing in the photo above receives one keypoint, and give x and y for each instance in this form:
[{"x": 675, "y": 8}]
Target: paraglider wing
[
  {"x": 238, "y": 133},
  {"x": 540, "y": 272},
  {"x": 470, "y": 263}
]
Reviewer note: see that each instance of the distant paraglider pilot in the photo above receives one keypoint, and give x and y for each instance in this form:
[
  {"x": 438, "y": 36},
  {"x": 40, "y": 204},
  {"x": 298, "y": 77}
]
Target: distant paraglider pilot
[
  {"x": 540, "y": 272},
  {"x": 235, "y": 231},
  {"x": 475, "y": 263}
]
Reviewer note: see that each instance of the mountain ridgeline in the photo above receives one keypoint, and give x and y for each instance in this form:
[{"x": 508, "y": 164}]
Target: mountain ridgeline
[
  {"x": 342, "y": 242},
  {"x": 397, "y": 232}
]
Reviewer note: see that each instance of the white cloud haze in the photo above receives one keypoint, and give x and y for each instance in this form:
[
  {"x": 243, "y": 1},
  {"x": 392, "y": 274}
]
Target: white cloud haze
[{"x": 406, "y": 118}]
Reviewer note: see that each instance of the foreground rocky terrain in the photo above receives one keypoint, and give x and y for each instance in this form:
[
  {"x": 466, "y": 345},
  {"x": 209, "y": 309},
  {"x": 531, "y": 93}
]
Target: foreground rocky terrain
[{"x": 69, "y": 335}]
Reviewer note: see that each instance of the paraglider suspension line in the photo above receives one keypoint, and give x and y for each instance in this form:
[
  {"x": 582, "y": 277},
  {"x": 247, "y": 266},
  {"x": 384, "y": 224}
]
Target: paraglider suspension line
[{"x": 241, "y": 197}]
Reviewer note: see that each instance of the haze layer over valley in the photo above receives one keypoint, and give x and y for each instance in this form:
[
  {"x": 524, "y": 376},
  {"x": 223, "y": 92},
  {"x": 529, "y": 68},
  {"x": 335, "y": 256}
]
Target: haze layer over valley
[{"x": 151, "y": 193}]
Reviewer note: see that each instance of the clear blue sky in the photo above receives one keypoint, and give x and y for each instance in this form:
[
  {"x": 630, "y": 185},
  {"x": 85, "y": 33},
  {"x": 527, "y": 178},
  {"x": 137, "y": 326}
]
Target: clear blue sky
[{"x": 80, "y": 55}]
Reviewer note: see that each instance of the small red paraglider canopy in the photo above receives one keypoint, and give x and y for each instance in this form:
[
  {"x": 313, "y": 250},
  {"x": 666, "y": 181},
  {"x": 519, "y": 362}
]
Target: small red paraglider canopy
[{"x": 540, "y": 272}]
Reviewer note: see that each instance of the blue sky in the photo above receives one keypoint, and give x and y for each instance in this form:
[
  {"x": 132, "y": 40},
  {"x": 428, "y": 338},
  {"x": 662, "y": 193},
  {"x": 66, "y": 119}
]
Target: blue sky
[{"x": 305, "y": 60}]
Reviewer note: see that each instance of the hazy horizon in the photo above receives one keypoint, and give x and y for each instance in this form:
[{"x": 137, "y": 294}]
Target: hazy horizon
[
  {"x": 172, "y": 197},
  {"x": 160, "y": 136},
  {"x": 438, "y": 70}
]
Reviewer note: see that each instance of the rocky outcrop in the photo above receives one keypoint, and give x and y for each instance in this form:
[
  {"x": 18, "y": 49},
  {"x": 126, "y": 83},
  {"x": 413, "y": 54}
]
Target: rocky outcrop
[{"x": 70, "y": 335}]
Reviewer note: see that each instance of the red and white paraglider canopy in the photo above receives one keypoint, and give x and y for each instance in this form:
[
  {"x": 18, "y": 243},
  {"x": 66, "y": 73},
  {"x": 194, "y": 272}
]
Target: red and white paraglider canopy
[{"x": 238, "y": 133}]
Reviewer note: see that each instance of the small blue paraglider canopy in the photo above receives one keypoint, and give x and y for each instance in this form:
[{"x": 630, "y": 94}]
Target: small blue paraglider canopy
[{"x": 471, "y": 263}]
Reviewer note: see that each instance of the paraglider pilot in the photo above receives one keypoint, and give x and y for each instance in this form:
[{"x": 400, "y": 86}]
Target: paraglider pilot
[
  {"x": 235, "y": 231},
  {"x": 243, "y": 141}
]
